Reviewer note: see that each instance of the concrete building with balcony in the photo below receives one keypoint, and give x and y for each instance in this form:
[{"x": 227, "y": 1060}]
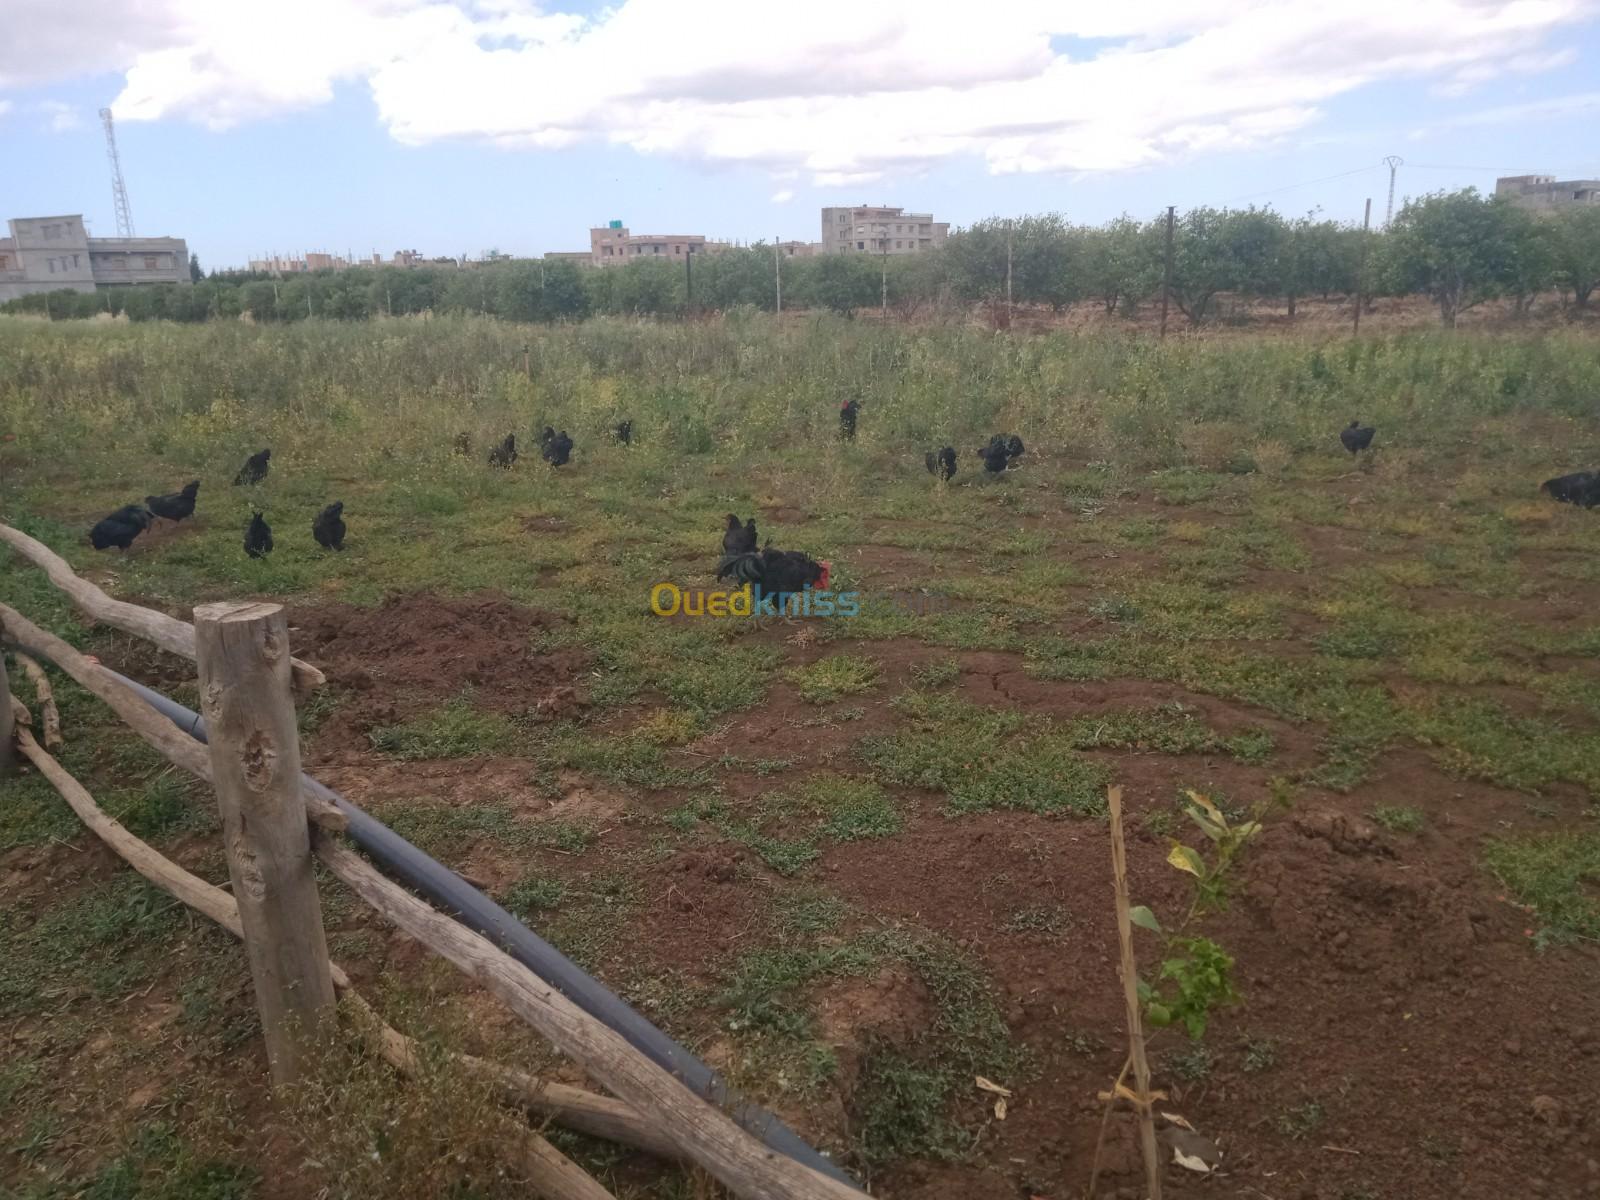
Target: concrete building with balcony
[
  {"x": 880, "y": 229},
  {"x": 1546, "y": 193},
  {"x": 613, "y": 245},
  {"x": 52, "y": 254}
]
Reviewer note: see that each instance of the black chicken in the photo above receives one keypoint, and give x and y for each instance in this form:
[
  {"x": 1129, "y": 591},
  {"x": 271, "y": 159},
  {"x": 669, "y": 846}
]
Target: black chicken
[
  {"x": 847, "y": 419},
  {"x": 942, "y": 464},
  {"x": 548, "y": 436},
  {"x": 120, "y": 528},
  {"x": 1356, "y": 436},
  {"x": 255, "y": 468},
  {"x": 328, "y": 528},
  {"x": 739, "y": 539},
  {"x": 558, "y": 450},
  {"x": 505, "y": 453},
  {"x": 258, "y": 537},
  {"x": 998, "y": 455},
  {"x": 777, "y": 573},
  {"x": 178, "y": 506},
  {"x": 1581, "y": 488},
  {"x": 1014, "y": 449},
  {"x": 623, "y": 433}
]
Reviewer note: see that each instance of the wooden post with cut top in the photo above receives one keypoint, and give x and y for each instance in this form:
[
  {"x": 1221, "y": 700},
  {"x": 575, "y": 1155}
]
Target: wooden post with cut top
[
  {"x": 1166, "y": 272},
  {"x": 243, "y": 654},
  {"x": 8, "y": 748}
]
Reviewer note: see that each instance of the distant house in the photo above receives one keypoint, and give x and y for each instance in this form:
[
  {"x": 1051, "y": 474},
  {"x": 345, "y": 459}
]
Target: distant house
[
  {"x": 52, "y": 254},
  {"x": 1546, "y": 193}
]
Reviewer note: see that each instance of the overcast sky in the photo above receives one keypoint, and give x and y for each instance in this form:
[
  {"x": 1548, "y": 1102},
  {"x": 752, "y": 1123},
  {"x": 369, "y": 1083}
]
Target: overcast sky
[{"x": 453, "y": 126}]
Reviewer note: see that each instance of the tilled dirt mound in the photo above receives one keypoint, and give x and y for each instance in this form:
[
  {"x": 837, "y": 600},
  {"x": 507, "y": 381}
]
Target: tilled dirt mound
[{"x": 416, "y": 651}]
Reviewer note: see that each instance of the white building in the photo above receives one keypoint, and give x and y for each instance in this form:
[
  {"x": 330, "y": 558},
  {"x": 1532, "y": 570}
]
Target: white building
[{"x": 880, "y": 230}]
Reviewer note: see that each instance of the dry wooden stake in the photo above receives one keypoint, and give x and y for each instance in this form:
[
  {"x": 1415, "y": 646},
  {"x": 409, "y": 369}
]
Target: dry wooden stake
[
  {"x": 8, "y": 723},
  {"x": 50, "y": 716},
  {"x": 243, "y": 652},
  {"x": 1130, "y": 995}
]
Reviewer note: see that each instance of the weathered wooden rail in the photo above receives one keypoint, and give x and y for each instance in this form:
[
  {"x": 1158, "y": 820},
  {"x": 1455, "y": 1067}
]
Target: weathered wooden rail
[{"x": 273, "y": 826}]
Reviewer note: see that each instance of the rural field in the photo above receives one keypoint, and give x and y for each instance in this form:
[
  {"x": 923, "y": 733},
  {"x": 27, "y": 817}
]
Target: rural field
[{"x": 854, "y": 862}]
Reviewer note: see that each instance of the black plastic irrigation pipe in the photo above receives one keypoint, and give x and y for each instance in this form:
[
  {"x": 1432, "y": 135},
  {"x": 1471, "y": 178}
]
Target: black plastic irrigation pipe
[{"x": 477, "y": 912}]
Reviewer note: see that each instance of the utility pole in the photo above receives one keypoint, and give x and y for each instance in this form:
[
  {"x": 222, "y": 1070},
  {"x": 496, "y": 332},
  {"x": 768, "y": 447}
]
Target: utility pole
[
  {"x": 1393, "y": 162},
  {"x": 777, "y": 274},
  {"x": 1166, "y": 276},
  {"x": 1010, "y": 309},
  {"x": 1361, "y": 268},
  {"x": 883, "y": 298}
]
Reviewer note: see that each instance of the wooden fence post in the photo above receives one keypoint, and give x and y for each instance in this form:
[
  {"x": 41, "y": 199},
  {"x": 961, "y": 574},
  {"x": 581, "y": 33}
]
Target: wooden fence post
[
  {"x": 242, "y": 651},
  {"x": 8, "y": 748}
]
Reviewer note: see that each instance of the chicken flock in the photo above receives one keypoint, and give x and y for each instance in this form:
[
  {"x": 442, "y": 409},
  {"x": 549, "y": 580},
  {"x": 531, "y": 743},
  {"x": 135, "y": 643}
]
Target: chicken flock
[{"x": 776, "y": 571}]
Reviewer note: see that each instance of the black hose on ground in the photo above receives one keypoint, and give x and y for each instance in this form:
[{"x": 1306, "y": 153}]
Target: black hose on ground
[{"x": 458, "y": 898}]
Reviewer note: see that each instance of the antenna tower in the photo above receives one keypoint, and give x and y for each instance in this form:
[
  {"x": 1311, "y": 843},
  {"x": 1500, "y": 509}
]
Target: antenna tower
[
  {"x": 1393, "y": 162},
  {"x": 119, "y": 190}
]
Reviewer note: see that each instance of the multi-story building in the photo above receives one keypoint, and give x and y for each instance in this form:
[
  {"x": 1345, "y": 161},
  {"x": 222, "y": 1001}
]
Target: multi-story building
[
  {"x": 51, "y": 254},
  {"x": 1546, "y": 193},
  {"x": 880, "y": 230},
  {"x": 612, "y": 245},
  {"x": 799, "y": 249}
]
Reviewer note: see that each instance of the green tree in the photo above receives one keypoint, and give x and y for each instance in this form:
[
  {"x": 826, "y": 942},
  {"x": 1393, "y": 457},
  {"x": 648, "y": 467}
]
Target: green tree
[
  {"x": 1575, "y": 251},
  {"x": 841, "y": 282},
  {"x": 1458, "y": 248},
  {"x": 1121, "y": 261},
  {"x": 195, "y": 273},
  {"x": 1202, "y": 261}
]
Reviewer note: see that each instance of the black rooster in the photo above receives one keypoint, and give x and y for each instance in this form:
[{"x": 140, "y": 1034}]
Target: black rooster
[
  {"x": 779, "y": 573},
  {"x": 548, "y": 436},
  {"x": 623, "y": 433},
  {"x": 178, "y": 506},
  {"x": 558, "y": 450},
  {"x": 328, "y": 528},
  {"x": 942, "y": 464},
  {"x": 120, "y": 528},
  {"x": 738, "y": 539},
  {"x": 847, "y": 419},
  {"x": 258, "y": 537},
  {"x": 1356, "y": 436},
  {"x": 1000, "y": 453},
  {"x": 505, "y": 453},
  {"x": 1581, "y": 488},
  {"x": 255, "y": 468},
  {"x": 1014, "y": 449}
]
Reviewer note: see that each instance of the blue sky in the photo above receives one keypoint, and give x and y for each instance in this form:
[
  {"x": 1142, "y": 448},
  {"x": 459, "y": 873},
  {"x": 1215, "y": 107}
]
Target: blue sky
[{"x": 488, "y": 123}]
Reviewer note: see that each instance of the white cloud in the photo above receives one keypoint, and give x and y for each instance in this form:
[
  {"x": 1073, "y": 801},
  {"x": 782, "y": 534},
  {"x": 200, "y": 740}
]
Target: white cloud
[
  {"x": 1554, "y": 108},
  {"x": 62, "y": 117},
  {"x": 783, "y": 196},
  {"x": 5, "y": 107},
  {"x": 836, "y": 91}
]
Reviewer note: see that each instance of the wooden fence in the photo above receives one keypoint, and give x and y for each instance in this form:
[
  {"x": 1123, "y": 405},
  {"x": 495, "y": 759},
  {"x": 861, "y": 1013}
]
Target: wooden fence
[{"x": 273, "y": 827}]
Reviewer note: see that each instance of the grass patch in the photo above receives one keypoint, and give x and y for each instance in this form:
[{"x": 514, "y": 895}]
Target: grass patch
[
  {"x": 981, "y": 760},
  {"x": 456, "y": 730},
  {"x": 936, "y": 673},
  {"x": 1166, "y": 729},
  {"x": 835, "y": 677},
  {"x": 1397, "y": 818},
  {"x": 1558, "y": 876},
  {"x": 853, "y": 808}
]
